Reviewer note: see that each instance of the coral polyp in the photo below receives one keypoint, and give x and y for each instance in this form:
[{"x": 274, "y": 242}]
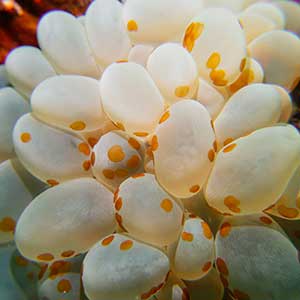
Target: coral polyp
[{"x": 146, "y": 153}]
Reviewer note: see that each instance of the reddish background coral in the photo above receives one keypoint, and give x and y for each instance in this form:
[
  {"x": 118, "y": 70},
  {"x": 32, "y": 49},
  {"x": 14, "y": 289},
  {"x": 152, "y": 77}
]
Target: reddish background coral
[{"x": 18, "y": 20}]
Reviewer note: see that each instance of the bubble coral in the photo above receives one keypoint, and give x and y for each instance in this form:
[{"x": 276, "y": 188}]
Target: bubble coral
[{"x": 145, "y": 152}]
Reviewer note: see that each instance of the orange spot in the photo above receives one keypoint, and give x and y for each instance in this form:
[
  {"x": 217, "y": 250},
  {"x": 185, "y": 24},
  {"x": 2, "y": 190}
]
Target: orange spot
[
  {"x": 232, "y": 203},
  {"x": 93, "y": 158},
  {"x": 64, "y": 286},
  {"x": 43, "y": 269},
  {"x": 217, "y": 75},
  {"x": 243, "y": 64},
  {"x": 225, "y": 229},
  {"x": 213, "y": 61},
  {"x": 120, "y": 126},
  {"x": 132, "y": 25},
  {"x": 126, "y": 245},
  {"x": 108, "y": 173},
  {"x": 154, "y": 143},
  {"x": 152, "y": 291},
  {"x": 52, "y": 182},
  {"x": 229, "y": 148},
  {"x": 211, "y": 155},
  {"x": 7, "y": 224},
  {"x": 166, "y": 205},
  {"x": 195, "y": 188},
  {"x": 138, "y": 175},
  {"x": 119, "y": 221},
  {"x": 78, "y": 125},
  {"x": 107, "y": 240},
  {"x": 84, "y": 148},
  {"x": 266, "y": 220},
  {"x": 239, "y": 295},
  {"x": 164, "y": 117},
  {"x": 68, "y": 253},
  {"x": 287, "y": 212},
  {"x": 140, "y": 134},
  {"x": 215, "y": 145},
  {"x": 188, "y": 237},
  {"x": 86, "y": 165},
  {"x": 21, "y": 261},
  {"x": 118, "y": 204},
  {"x": 59, "y": 267},
  {"x": 133, "y": 162},
  {"x": 134, "y": 143},
  {"x": 182, "y": 91},
  {"x": 221, "y": 265},
  {"x": 116, "y": 153},
  {"x": 206, "y": 267},
  {"x": 116, "y": 193},
  {"x": 246, "y": 77},
  {"x": 206, "y": 230},
  {"x": 224, "y": 281},
  {"x": 192, "y": 33},
  {"x": 120, "y": 61},
  {"x": 92, "y": 141},
  {"x": 25, "y": 137},
  {"x": 121, "y": 173},
  {"x": 228, "y": 141},
  {"x": 45, "y": 257}
]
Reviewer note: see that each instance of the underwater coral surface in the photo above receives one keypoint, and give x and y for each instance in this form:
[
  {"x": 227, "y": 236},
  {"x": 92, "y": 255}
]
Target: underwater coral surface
[{"x": 145, "y": 153}]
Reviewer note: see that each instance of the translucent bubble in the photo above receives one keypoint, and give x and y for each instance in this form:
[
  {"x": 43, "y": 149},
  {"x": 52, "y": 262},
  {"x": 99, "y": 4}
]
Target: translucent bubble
[
  {"x": 33, "y": 184},
  {"x": 184, "y": 148},
  {"x": 217, "y": 43},
  {"x": 69, "y": 102},
  {"x": 258, "y": 262},
  {"x": 288, "y": 205},
  {"x": 207, "y": 288},
  {"x": 66, "y": 286},
  {"x": 3, "y": 77},
  {"x": 140, "y": 54},
  {"x": 192, "y": 256},
  {"x": 136, "y": 213},
  {"x": 210, "y": 97},
  {"x": 136, "y": 110},
  {"x": 116, "y": 157},
  {"x": 145, "y": 19},
  {"x": 252, "y": 107},
  {"x": 26, "y": 274},
  {"x": 255, "y": 24},
  {"x": 106, "y": 31},
  {"x": 286, "y": 104},
  {"x": 281, "y": 64},
  {"x": 174, "y": 289},
  {"x": 269, "y": 11},
  {"x": 252, "y": 172},
  {"x": 63, "y": 40},
  {"x": 120, "y": 268},
  {"x": 291, "y": 11},
  {"x": 174, "y": 71},
  {"x": 197, "y": 206},
  {"x": 14, "y": 197},
  {"x": 234, "y": 5},
  {"x": 12, "y": 107},
  {"x": 65, "y": 220},
  {"x": 49, "y": 154},
  {"x": 26, "y": 67},
  {"x": 9, "y": 287}
]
